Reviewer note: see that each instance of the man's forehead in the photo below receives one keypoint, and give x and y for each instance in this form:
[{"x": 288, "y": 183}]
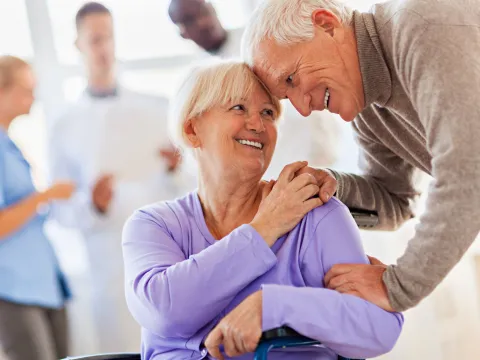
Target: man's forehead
[
  {"x": 271, "y": 78},
  {"x": 272, "y": 59},
  {"x": 270, "y": 71},
  {"x": 179, "y": 9}
]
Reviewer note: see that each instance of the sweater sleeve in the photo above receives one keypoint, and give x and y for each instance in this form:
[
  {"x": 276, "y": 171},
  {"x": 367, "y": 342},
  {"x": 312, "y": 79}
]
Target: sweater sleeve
[
  {"x": 386, "y": 184},
  {"x": 442, "y": 75},
  {"x": 349, "y": 325},
  {"x": 175, "y": 296}
]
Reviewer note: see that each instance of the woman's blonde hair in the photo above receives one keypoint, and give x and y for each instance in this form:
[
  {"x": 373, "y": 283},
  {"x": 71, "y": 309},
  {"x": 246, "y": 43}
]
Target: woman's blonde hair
[
  {"x": 208, "y": 84},
  {"x": 9, "y": 65}
]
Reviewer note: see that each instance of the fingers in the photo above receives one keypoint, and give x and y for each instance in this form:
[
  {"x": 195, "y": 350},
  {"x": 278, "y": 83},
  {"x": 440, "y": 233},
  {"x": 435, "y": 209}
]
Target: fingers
[
  {"x": 311, "y": 204},
  {"x": 105, "y": 179},
  {"x": 308, "y": 191},
  {"x": 213, "y": 341},
  {"x": 336, "y": 270},
  {"x": 230, "y": 344},
  {"x": 338, "y": 281},
  {"x": 348, "y": 288},
  {"x": 375, "y": 261},
  {"x": 328, "y": 185},
  {"x": 251, "y": 340},
  {"x": 302, "y": 180},
  {"x": 288, "y": 172}
]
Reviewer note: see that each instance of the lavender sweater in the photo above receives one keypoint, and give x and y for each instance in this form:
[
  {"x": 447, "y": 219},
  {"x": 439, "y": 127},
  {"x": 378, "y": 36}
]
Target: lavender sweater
[{"x": 180, "y": 282}]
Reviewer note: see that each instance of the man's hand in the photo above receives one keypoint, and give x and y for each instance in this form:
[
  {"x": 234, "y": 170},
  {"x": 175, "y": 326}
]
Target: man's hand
[
  {"x": 239, "y": 331},
  {"x": 172, "y": 157},
  {"x": 364, "y": 281},
  {"x": 103, "y": 192},
  {"x": 325, "y": 179}
]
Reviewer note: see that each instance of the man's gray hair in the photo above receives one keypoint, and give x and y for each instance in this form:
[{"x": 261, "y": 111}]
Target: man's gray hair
[{"x": 287, "y": 22}]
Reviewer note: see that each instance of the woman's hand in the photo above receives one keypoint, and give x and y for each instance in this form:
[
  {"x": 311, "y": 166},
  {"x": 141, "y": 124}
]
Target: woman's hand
[
  {"x": 239, "y": 331},
  {"x": 285, "y": 202},
  {"x": 60, "y": 191}
]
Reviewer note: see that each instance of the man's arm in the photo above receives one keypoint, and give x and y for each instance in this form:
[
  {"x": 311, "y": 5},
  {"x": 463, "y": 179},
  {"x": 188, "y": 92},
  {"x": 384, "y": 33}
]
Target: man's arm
[
  {"x": 387, "y": 185},
  {"x": 443, "y": 78}
]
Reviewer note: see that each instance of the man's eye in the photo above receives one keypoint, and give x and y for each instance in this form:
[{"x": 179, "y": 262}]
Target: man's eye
[
  {"x": 238, "y": 107},
  {"x": 289, "y": 80}
]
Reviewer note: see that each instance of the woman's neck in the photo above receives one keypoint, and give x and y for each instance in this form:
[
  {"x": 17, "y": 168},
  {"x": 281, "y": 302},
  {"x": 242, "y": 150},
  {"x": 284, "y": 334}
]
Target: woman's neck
[{"x": 228, "y": 204}]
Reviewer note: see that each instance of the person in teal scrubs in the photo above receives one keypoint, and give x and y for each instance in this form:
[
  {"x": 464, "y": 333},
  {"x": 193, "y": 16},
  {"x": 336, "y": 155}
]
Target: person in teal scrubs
[{"x": 33, "y": 290}]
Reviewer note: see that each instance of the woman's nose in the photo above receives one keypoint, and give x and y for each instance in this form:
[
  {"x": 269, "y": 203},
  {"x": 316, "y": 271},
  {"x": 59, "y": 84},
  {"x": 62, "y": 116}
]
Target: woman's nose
[{"x": 255, "y": 123}]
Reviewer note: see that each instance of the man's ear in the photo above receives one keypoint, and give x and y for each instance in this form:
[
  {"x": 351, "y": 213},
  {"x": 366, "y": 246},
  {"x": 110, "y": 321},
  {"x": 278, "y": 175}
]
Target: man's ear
[
  {"x": 327, "y": 20},
  {"x": 76, "y": 43},
  {"x": 190, "y": 131}
]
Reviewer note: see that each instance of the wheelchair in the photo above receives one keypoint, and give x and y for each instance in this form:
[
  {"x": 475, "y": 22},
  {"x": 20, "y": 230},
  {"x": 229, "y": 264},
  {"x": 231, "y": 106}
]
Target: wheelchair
[{"x": 280, "y": 338}]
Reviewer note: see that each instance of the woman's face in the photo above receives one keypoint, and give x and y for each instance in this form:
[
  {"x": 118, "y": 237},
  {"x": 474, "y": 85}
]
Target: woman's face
[
  {"x": 18, "y": 97},
  {"x": 238, "y": 137}
]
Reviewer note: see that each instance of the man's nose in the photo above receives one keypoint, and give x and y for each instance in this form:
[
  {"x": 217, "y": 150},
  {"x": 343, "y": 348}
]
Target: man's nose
[{"x": 301, "y": 102}]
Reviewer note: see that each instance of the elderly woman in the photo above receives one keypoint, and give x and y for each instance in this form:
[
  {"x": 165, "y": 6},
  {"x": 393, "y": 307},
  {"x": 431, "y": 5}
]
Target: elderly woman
[
  {"x": 33, "y": 290},
  {"x": 238, "y": 240}
]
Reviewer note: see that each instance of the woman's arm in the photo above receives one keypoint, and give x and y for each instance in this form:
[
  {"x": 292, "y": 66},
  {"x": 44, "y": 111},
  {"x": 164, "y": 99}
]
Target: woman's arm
[
  {"x": 13, "y": 217},
  {"x": 350, "y": 326},
  {"x": 175, "y": 296}
]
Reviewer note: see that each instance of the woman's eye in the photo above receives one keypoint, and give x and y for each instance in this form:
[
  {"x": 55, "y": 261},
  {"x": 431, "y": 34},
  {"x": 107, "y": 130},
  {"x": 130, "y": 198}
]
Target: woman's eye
[
  {"x": 268, "y": 113},
  {"x": 238, "y": 107}
]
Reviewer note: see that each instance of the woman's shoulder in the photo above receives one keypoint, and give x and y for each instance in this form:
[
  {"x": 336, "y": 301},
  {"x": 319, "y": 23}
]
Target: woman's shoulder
[
  {"x": 168, "y": 213},
  {"x": 333, "y": 214},
  {"x": 334, "y": 208}
]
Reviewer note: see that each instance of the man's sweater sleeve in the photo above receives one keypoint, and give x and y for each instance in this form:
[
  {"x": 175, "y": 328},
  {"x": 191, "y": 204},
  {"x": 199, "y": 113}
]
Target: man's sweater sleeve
[
  {"x": 442, "y": 76},
  {"x": 387, "y": 183}
]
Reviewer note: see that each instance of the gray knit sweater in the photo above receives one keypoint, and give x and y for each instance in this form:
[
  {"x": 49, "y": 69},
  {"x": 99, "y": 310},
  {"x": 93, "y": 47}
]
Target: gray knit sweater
[{"x": 420, "y": 64}]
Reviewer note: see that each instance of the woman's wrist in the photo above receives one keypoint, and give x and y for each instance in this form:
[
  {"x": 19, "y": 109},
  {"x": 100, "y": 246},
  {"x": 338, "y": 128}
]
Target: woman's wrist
[
  {"x": 265, "y": 232},
  {"x": 42, "y": 198}
]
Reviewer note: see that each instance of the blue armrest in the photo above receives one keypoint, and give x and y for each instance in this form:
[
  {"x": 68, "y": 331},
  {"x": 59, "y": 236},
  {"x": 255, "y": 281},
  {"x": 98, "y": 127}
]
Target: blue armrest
[{"x": 283, "y": 337}]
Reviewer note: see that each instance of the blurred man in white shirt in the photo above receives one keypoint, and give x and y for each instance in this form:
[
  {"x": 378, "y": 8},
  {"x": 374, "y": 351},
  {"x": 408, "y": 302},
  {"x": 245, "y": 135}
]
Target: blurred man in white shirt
[{"x": 113, "y": 143}]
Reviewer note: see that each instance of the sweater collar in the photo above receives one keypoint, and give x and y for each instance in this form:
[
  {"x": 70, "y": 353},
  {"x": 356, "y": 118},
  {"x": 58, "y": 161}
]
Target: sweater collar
[{"x": 377, "y": 83}]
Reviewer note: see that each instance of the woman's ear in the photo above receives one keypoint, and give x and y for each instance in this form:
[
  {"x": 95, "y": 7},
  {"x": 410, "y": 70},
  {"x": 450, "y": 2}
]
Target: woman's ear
[{"x": 190, "y": 131}]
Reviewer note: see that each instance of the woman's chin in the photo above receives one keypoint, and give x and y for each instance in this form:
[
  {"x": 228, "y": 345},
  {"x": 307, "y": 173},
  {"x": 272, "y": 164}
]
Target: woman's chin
[{"x": 251, "y": 168}]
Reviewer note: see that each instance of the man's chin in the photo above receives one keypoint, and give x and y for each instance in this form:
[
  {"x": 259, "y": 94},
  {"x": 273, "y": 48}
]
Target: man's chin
[{"x": 348, "y": 116}]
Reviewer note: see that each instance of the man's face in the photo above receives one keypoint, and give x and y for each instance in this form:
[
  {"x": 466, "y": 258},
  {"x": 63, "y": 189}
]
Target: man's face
[
  {"x": 313, "y": 75},
  {"x": 96, "y": 42},
  {"x": 198, "y": 21}
]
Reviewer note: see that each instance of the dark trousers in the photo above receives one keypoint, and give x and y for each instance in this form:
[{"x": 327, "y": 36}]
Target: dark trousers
[{"x": 32, "y": 332}]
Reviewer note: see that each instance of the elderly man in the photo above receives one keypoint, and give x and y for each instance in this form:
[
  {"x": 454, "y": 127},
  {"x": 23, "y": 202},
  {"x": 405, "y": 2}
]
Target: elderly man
[{"x": 408, "y": 73}]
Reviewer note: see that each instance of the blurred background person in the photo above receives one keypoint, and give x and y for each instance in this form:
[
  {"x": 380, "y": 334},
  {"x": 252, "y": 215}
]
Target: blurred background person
[
  {"x": 33, "y": 289},
  {"x": 316, "y": 138},
  {"x": 113, "y": 144}
]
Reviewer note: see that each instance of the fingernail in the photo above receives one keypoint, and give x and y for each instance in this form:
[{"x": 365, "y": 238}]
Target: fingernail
[{"x": 327, "y": 196}]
